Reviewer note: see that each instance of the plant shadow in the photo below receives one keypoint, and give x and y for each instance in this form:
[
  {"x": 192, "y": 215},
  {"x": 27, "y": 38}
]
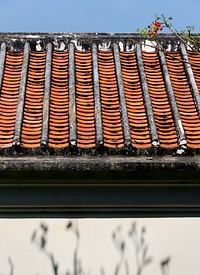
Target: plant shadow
[{"x": 134, "y": 237}]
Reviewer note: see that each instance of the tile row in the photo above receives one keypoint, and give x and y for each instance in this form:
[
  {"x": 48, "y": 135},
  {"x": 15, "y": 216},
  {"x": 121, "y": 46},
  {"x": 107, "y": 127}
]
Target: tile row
[
  {"x": 112, "y": 123},
  {"x": 184, "y": 99},
  {"x": 32, "y": 116},
  {"x": 111, "y": 116},
  {"x": 161, "y": 108},
  {"x": 85, "y": 116},
  {"x": 134, "y": 101},
  {"x": 9, "y": 97},
  {"x": 59, "y": 102}
]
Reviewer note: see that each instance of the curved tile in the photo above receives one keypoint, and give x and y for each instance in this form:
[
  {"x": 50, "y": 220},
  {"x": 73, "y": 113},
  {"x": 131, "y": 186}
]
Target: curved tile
[
  {"x": 134, "y": 101},
  {"x": 184, "y": 99},
  {"x": 84, "y": 100},
  {"x": 111, "y": 116},
  {"x": 9, "y": 97},
  {"x": 159, "y": 100},
  {"x": 59, "y": 101},
  {"x": 33, "y": 101}
]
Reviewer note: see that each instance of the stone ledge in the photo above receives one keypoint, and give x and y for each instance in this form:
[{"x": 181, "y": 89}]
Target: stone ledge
[{"x": 100, "y": 163}]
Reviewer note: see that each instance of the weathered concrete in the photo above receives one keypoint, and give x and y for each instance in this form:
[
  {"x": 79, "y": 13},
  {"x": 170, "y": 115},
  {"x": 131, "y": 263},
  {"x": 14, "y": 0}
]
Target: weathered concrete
[
  {"x": 2, "y": 61},
  {"x": 101, "y": 163},
  {"x": 46, "y": 99},
  {"x": 97, "y": 96},
  {"x": 16, "y": 41},
  {"x": 171, "y": 97},
  {"x": 21, "y": 96},
  {"x": 146, "y": 96},
  {"x": 190, "y": 76},
  {"x": 72, "y": 96},
  {"x": 124, "y": 113}
]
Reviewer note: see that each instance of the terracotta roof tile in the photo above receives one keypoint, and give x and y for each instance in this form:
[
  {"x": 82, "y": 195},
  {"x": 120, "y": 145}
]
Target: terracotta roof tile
[
  {"x": 9, "y": 97},
  {"x": 112, "y": 124},
  {"x": 97, "y": 95},
  {"x": 134, "y": 100},
  {"x": 84, "y": 100},
  {"x": 186, "y": 106},
  {"x": 32, "y": 117},
  {"x": 160, "y": 103},
  {"x": 59, "y": 101}
]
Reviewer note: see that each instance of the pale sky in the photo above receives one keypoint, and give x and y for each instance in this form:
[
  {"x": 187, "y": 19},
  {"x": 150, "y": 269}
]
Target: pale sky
[{"x": 93, "y": 16}]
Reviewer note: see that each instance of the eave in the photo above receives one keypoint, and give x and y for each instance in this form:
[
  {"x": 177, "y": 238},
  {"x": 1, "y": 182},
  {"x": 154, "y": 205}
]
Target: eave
[
  {"x": 111, "y": 179},
  {"x": 100, "y": 187}
]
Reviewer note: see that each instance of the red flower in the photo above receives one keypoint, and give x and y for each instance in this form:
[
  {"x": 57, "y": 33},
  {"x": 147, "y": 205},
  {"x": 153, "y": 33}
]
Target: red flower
[
  {"x": 154, "y": 28},
  {"x": 157, "y": 24}
]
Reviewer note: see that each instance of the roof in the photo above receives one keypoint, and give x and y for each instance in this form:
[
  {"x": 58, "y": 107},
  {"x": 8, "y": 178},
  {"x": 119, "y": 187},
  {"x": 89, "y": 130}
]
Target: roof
[
  {"x": 97, "y": 94},
  {"x": 103, "y": 119}
]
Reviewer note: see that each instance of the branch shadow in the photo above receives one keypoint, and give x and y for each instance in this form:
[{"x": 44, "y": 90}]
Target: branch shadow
[
  {"x": 136, "y": 237},
  {"x": 39, "y": 238}
]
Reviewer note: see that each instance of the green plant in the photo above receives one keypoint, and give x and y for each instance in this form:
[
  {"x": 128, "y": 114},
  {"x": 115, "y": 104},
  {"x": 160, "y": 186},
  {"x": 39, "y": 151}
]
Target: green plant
[{"x": 161, "y": 22}]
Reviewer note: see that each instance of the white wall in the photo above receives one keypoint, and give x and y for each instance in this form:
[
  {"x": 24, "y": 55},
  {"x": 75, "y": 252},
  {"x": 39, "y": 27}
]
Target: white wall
[{"x": 176, "y": 241}]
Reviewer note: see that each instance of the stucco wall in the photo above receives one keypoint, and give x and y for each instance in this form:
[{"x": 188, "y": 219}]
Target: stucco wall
[{"x": 105, "y": 246}]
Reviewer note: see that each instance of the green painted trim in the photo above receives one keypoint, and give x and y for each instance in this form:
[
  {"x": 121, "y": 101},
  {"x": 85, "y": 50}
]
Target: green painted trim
[{"x": 99, "y": 200}]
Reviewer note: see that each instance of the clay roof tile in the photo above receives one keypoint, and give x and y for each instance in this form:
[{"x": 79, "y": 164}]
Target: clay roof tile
[{"x": 98, "y": 94}]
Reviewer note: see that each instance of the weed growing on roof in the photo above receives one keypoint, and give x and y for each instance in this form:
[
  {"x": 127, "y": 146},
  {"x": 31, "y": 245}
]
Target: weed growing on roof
[
  {"x": 153, "y": 29},
  {"x": 161, "y": 22}
]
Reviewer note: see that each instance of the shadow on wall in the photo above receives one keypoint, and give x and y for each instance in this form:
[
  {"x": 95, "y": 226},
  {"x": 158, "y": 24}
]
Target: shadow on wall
[
  {"x": 11, "y": 267},
  {"x": 42, "y": 244},
  {"x": 141, "y": 249},
  {"x": 136, "y": 236}
]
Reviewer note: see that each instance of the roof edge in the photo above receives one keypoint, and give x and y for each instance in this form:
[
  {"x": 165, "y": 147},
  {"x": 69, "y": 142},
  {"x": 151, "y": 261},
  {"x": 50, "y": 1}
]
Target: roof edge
[
  {"x": 39, "y": 40},
  {"x": 101, "y": 163}
]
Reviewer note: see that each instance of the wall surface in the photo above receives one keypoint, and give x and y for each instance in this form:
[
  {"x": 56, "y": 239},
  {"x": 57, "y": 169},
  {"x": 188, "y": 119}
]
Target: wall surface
[{"x": 100, "y": 246}]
